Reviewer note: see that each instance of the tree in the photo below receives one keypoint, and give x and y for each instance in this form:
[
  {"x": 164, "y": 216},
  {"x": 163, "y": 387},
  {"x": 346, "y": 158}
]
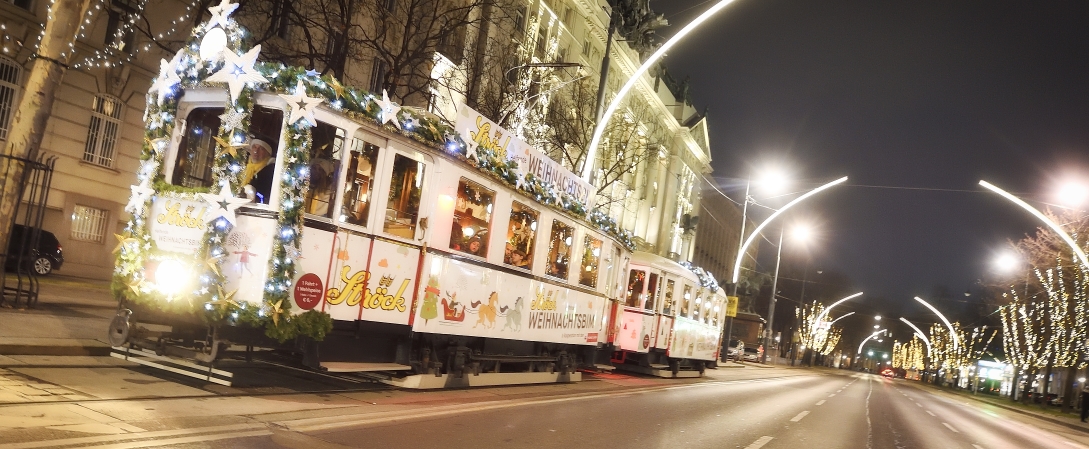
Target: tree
[{"x": 28, "y": 125}]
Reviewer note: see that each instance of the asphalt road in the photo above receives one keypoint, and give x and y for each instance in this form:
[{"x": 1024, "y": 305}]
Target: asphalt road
[{"x": 814, "y": 410}]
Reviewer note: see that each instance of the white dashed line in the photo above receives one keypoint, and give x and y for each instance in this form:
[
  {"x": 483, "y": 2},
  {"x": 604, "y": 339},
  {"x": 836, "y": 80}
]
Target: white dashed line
[
  {"x": 832, "y": 395},
  {"x": 820, "y": 402},
  {"x": 799, "y": 416},
  {"x": 977, "y": 446},
  {"x": 931, "y": 413},
  {"x": 759, "y": 443},
  {"x": 919, "y": 404},
  {"x": 950, "y": 427}
]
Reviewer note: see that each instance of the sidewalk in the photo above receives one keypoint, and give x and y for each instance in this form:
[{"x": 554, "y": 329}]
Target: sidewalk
[
  {"x": 70, "y": 319},
  {"x": 1051, "y": 414}
]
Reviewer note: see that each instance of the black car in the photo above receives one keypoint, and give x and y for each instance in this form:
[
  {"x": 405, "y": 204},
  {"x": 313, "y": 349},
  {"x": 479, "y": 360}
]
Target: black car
[{"x": 43, "y": 259}]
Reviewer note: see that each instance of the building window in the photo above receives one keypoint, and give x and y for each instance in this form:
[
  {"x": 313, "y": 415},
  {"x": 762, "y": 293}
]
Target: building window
[
  {"x": 521, "y": 233},
  {"x": 119, "y": 21},
  {"x": 520, "y": 18},
  {"x": 389, "y": 4},
  {"x": 89, "y": 224},
  {"x": 9, "y": 90},
  {"x": 378, "y": 75},
  {"x": 103, "y": 130},
  {"x": 25, "y": 4},
  {"x": 559, "y": 249},
  {"x": 586, "y": 47},
  {"x": 281, "y": 10},
  {"x": 469, "y": 232}
]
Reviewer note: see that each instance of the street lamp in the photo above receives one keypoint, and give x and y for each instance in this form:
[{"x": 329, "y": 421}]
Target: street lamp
[
  {"x": 774, "y": 281},
  {"x": 952, "y": 332},
  {"x": 920, "y": 333},
  {"x": 652, "y": 61},
  {"x": 859, "y": 351},
  {"x": 1051, "y": 224}
]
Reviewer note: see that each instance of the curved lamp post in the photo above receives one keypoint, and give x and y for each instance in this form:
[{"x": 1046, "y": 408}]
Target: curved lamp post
[
  {"x": 876, "y": 333},
  {"x": 755, "y": 232},
  {"x": 840, "y": 318},
  {"x": 1051, "y": 224},
  {"x": 599, "y": 130},
  {"x": 952, "y": 332},
  {"x": 829, "y": 309},
  {"x": 919, "y": 333}
]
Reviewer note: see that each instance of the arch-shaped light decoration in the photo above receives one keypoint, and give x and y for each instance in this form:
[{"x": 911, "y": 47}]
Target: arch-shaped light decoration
[
  {"x": 840, "y": 318},
  {"x": 952, "y": 332},
  {"x": 829, "y": 309},
  {"x": 920, "y": 333},
  {"x": 1051, "y": 224},
  {"x": 876, "y": 333},
  {"x": 755, "y": 232},
  {"x": 591, "y": 151}
]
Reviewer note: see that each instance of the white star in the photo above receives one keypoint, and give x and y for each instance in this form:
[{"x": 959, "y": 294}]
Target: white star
[
  {"x": 139, "y": 196},
  {"x": 223, "y": 204},
  {"x": 232, "y": 119},
  {"x": 470, "y": 150},
  {"x": 389, "y": 110},
  {"x": 521, "y": 181},
  {"x": 238, "y": 70},
  {"x": 301, "y": 105},
  {"x": 221, "y": 13},
  {"x": 167, "y": 79}
]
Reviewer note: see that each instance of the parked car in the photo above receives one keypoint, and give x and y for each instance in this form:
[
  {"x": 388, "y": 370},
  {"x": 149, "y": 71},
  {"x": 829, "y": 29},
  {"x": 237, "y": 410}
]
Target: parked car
[
  {"x": 43, "y": 259},
  {"x": 751, "y": 354},
  {"x": 733, "y": 352}
]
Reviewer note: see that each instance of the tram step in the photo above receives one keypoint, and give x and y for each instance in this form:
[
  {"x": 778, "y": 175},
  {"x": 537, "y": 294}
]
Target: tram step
[
  {"x": 659, "y": 366},
  {"x": 354, "y": 367},
  {"x": 601, "y": 367}
]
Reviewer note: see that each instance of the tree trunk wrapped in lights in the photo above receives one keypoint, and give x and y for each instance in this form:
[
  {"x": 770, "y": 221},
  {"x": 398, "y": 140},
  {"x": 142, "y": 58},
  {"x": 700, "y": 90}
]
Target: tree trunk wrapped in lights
[{"x": 910, "y": 355}]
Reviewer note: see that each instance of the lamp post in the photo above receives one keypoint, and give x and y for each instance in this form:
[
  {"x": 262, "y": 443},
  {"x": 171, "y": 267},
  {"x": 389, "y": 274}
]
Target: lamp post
[
  {"x": 771, "y": 303},
  {"x": 820, "y": 319},
  {"x": 952, "y": 332},
  {"x": 1051, "y": 224}
]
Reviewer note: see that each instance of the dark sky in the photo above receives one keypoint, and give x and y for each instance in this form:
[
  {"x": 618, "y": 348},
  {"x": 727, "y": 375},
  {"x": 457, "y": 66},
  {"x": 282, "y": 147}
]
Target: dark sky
[{"x": 916, "y": 101}]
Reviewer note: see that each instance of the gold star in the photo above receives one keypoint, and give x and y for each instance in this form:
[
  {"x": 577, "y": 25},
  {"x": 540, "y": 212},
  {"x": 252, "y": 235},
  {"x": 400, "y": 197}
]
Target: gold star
[
  {"x": 276, "y": 312},
  {"x": 122, "y": 241},
  {"x": 226, "y": 300},
  {"x": 337, "y": 87},
  {"x": 228, "y": 147},
  {"x": 213, "y": 264},
  {"x": 135, "y": 285}
]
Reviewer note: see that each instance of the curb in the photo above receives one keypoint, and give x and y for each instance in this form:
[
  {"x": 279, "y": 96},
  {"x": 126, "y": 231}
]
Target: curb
[{"x": 56, "y": 347}]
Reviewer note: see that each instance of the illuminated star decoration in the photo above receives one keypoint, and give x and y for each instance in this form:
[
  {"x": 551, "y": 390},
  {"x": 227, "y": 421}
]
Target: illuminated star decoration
[
  {"x": 122, "y": 242},
  {"x": 167, "y": 79},
  {"x": 520, "y": 182},
  {"x": 228, "y": 146},
  {"x": 225, "y": 300},
  {"x": 213, "y": 264},
  {"x": 389, "y": 110},
  {"x": 135, "y": 285},
  {"x": 221, "y": 13},
  {"x": 337, "y": 87},
  {"x": 158, "y": 144},
  {"x": 140, "y": 194},
  {"x": 232, "y": 119},
  {"x": 313, "y": 73},
  {"x": 223, "y": 204},
  {"x": 301, "y": 105},
  {"x": 471, "y": 148},
  {"x": 276, "y": 312},
  {"x": 238, "y": 70}
]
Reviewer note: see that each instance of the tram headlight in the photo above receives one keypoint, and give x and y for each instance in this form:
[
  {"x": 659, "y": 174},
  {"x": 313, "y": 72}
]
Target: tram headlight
[{"x": 170, "y": 276}]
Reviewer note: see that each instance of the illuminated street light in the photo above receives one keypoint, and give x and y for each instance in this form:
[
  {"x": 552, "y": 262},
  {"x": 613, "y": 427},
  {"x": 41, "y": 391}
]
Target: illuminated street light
[
  {"x": 877, "y": 318},
  {"x": 1051, "y": 224},
  {"x": 652, "y": 61},
  {"x": 824, "y": 313},
  {"x": 952, "y": 332},
  {"x": 840, "y": 318},
  {"x": 868, "y": 339},
  {"x": 1073, "y": 193},
  {"x": 1007, "y": 262}
]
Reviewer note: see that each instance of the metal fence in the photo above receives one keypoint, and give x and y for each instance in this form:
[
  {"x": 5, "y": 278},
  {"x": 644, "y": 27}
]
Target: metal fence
[{"x": 19, "y": 281}]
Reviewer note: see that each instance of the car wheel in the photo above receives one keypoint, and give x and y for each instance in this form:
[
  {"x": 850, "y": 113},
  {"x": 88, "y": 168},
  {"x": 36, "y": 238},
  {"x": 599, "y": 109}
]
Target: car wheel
[{"x": 43, "y": 266}]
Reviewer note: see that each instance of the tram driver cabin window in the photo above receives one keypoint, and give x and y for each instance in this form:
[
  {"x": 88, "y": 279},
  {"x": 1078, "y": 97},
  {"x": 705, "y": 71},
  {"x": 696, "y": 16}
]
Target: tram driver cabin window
[
  {"x": 636, "y": 283},
  {"x": 559, "y": 249},
  {"x": 667, "y": 302},
  {"x": 403, "y": 207},
  {"x": 326, "y": 148},
  {"x": 362, "y": 163},
  {"x": 686, "y": 301},
  {"x": 470, "y": 230},
  {"x": 197, "y": 150},
  {"x": 591, "y": 259}
]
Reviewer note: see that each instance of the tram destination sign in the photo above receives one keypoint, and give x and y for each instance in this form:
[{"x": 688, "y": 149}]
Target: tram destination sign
[{"x": 478, "y": 131}]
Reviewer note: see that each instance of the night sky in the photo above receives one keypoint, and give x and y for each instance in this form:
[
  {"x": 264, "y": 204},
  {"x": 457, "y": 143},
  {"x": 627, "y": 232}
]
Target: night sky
[{"x": 916, "y": 102}]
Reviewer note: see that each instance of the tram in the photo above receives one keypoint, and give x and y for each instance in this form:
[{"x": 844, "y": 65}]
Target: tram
[
  {"x": 278, "y": 209},
  {"x": 671, "y": 318}
]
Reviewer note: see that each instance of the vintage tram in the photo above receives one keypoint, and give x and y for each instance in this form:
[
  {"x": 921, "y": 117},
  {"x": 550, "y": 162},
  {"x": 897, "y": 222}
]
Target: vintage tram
[{"x": 277, "y": 208}]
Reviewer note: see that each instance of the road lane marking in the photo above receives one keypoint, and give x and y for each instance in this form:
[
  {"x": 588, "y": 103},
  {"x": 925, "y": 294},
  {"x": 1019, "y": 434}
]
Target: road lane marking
[
  {"x": 950, "y": 427},
  {"x": 832, "y": 395},
  {"x": 931, "y": 413},
  {"x": 821, "y": 402},
  {"x": 920, "y": 404},
  {"x": 977, "y": 446},
  {"x": 760, "y": 442},
  {"x": 799, "y": 416}
]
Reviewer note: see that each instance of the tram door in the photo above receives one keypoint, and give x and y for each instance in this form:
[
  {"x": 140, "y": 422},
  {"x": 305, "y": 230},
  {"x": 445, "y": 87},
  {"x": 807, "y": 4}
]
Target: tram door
[
  {"x": 637, "y": 322},
  {"x": 665, "y": 311}
]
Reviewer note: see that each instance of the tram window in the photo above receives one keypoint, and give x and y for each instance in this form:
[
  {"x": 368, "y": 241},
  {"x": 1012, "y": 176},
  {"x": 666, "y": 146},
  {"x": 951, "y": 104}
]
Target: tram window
[
  {"x": 697, "y": 307},
  {"x": 265, "y": 126},
  {"x": 636, "y": 282},
  {"x": 559, "y": 249},
  {"x": 610, "y": 272},
  {"x": 197, "y": 151},
  {"x": 706, "y": 314},
  {"x": 326, "y": 149},
  {"x": 667, "y": 305},
  {"x": 652, "y": 292},
  {"x": 406, "y": 185},
  {"x": 591, "y": 258},
  {"x": 471, "y": 228},
  {"x": 521, "y": 234},
  {"x": 686, "y": 301},
  {"x": 362, "y": 163}
]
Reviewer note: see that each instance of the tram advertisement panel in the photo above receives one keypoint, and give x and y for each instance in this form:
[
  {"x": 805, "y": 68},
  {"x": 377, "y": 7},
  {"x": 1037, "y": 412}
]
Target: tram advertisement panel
[
  {"x": 465, "y": 299},
  {"x": 636, "y": 330},
  {"x": 312, "y": 270},
  {"x": 665, "y": 326},
  {"x": 177, "y": 225},
  {"x": 693, "y": 340},
  {"x": 248, "y": 247},
  {"x": 372, "y": 280}
]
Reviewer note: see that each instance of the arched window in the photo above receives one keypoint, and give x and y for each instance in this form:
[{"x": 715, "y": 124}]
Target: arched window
[
  {"x": 9, "y": 93},
  {"x": 103, "y": 131}
]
